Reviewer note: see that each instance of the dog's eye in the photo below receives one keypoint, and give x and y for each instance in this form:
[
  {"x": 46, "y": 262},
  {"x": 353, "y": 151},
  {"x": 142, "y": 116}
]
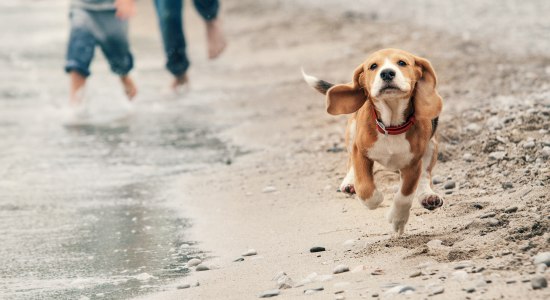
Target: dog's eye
[
  {"x": 401, "y": 63},
  {"x": 373, "y": 66}
]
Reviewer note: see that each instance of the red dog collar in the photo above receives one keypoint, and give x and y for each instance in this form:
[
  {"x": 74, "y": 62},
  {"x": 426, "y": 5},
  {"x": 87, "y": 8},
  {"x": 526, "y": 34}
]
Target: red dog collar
[{"x": 393, "y": 130}]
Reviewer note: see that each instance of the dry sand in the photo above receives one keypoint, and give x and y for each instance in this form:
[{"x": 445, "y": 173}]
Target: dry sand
[{"x": 278, "y": 193}]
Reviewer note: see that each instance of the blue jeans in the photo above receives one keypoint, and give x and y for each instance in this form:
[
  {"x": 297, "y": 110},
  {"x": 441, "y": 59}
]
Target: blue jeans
[
  {"x": 171, "y": 26},
  {"x": 98, "y": 28}
]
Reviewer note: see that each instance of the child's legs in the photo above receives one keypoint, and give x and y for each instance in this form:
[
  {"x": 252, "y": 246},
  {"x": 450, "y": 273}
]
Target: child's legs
[
  {"x": 80, "y": 51},
  {"x": 112, "y": 37},
  {"x": 208, "y": 9},
  {"x": 169, "y": 13}
]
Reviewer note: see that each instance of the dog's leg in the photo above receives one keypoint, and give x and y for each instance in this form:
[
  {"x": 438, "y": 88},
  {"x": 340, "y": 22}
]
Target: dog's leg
[
  {"x": 402, "y": 201},
  {"x": 364, "y": 180},
  {"x": 347, "y": 185},
  {"x": 426, "y": 196}
]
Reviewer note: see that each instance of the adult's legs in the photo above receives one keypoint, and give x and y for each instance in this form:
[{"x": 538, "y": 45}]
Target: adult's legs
[
  {"x": 209, "y": 9},
  {"x": 169, "y": 13}
]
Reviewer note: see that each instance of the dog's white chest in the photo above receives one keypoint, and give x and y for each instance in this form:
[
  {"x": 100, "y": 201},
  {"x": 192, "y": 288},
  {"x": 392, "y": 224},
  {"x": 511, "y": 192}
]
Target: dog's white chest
[{"x": 392, "y": 151}]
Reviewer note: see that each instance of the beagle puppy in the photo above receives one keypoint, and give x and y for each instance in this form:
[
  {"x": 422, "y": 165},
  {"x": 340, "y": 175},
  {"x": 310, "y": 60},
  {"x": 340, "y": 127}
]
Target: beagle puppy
[{"x": 394, "y": 107}]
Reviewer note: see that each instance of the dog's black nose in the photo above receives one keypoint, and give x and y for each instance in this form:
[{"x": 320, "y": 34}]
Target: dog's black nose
[{"x": 387, "y": 74}]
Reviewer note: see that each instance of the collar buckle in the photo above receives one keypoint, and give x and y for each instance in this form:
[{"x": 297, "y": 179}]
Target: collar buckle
[{"x": 381, "y": 126}]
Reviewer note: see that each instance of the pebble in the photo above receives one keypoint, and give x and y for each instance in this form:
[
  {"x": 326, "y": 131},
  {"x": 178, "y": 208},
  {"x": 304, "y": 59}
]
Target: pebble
[
  {"x": 317, "y": 249},
  {"x": 497, "y": 155},
  {"x": 340, "y": 269},
  {"x": 511, "y": 209},
  {"x": 470, "y": 289},
  {"x": 313, "y": 290},
  {"x": 542, "y": 258},
  {"x": 449, "y": 185},
  {"x": 375, "y": 295},
  {"x": 545, "y": 152},
  {"x": 239, "y": 259},
  {"x": 437, "y": 180},
  {"x": 415, "y": 274},
  {"x": 463, "y": 264},
  {"x": 269, "y": 189},
  {"x": 493, "y": 222},
  {"x": 529, "y": 145},
  {"x": 183, "y": 286},
  {"x": 507, "y": 185},
  {"x": 249, "y": 252},
  {"x": 436, "y": 290},
  {"x": 202, "y": 267},
  {"x": 194, "y": 262},
  {"x": 269, "y": 294},
  {"x": 539, "y": 282},
  {"x": 473, "y": 127},
  {"x": 377, "y": 272},
  {"x": 468, "y": 157},
  {"x": 541, "y": 268},
  {"x": 340, "y": 297},
  {"x": 284, "y": 282},
  {"x": 400, "y": 289},
  {"x": 488, "y": 215}
]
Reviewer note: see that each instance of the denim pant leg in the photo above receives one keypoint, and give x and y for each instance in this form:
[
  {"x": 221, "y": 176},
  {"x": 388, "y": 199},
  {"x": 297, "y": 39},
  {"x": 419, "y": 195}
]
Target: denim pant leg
[
  {"x": 112, "y": 37},
  {"x": 80, "y": 50},
  {"x": 169, "y": 13},
  {"x": 208, "y": 9}
]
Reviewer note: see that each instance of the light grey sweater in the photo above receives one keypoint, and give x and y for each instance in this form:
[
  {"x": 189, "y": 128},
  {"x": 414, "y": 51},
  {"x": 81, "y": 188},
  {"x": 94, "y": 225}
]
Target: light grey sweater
[{"x": 94, "y": 4}]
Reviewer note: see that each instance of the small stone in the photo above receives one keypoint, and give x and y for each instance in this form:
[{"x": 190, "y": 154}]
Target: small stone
[
  {"x": 545, "y": 152},
  {"x": 196, "y": 284},
  {"x": 415, "y": 274},
  {"x": 183, "y": 286},
  {"x": 340, "y": 297},
  {"x": 460, "y": 275},
  {"x": 202, "y": 267},
  {"x": 511, "y": 209},
  {"x": 377, "y": 272},
  {"x": 493, "y": 222},
  {"x": 529, "y": 145},
  {"x": 497, "y": 155},
  {"x": 400, "y": 289},
  {"x": 463, "y": 264},
  {"x": 239, "y": 259},
  {"x": 249, "y": 252},
  {"x": 279, "y": 275},
  {"x": 507, "y": 185},
  {"x": 542, "y": 258},
  {"x": 269, "y": 294},
  {"x": 468, "y": 157},
  {"x": 437, "y": 180},
  {"x": 477, "y": 205},
  {"x": 317, "y": 249},
  {"x": 340, "y": 269},
  {"x": 470, "y": 289},
  {"x": 269, "y": 189},
  {"x": 194, "y": 262},
  {"x": 449, "y": 185},
  {"x": 313, "y": 290},
  {"x": 285, "y": 282},
  {"x": 541, "y": 268},
  {"x": 539, "y": 282},
  {"x": 488, "y": 215},
  {"x": 375, "y": 295},
  {"x": 436, "y": 290}
]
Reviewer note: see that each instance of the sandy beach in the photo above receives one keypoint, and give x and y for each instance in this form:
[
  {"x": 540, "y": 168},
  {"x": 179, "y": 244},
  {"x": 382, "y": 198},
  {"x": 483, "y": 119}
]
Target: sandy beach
[{"x": 277, "y": 193}]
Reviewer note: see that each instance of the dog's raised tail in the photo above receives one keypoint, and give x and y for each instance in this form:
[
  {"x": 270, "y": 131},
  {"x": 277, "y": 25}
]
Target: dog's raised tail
[{"x": 316, "y": 83}]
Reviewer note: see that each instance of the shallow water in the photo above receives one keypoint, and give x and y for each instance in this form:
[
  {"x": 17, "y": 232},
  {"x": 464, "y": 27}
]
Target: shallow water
[{"x": 87, "y": 210}]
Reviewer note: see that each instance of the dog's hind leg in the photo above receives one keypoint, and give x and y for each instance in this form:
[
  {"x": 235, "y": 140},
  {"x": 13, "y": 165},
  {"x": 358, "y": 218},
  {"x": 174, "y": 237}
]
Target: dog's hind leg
[{"x": 426, "y": 196}]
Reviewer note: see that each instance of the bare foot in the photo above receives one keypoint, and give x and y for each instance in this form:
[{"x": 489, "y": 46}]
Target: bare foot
[
  {"x": 77, "y": 88},
  {"x": 179, "y": 82},
  {"x": 129, "y": 87},
  {"x": 216, "y": 38}
]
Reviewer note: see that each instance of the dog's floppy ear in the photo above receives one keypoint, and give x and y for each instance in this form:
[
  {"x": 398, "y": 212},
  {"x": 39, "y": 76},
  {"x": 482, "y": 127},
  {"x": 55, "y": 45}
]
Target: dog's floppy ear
[
  {"x": 427, "y": 102},
  {"x": 347, "y": 98}
]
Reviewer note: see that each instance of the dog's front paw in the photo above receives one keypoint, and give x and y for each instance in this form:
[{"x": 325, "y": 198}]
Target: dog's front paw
[
  {"x": 431, "y": 201},
  {"x": 348, "y": 189},
  {"x": 398, "y": 217}
]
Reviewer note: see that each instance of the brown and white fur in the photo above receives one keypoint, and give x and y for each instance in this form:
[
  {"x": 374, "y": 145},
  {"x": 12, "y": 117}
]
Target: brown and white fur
[{"x": 411, "y": 88}]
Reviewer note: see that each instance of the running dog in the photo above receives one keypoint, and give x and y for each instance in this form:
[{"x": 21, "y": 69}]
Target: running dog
[{"x": 394, "y": 109}]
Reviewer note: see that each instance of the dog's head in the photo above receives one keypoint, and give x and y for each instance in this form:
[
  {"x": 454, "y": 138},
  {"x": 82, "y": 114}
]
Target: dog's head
[{"x": 385, "y": 75}]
